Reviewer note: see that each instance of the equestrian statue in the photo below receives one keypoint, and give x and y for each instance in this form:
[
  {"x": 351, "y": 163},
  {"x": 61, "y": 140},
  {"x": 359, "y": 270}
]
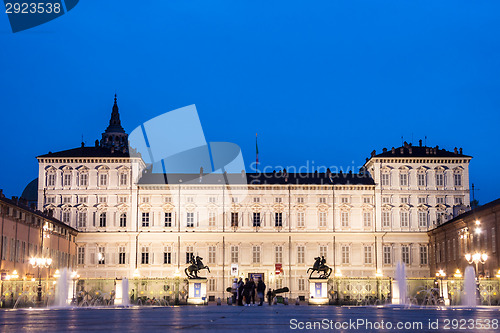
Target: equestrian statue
[
  {"x": 196, "y": 265},
  {"x": 320, "y": 267}
]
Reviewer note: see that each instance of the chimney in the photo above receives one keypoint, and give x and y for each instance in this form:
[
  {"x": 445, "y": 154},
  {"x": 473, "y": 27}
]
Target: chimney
[
  {"x": 1, "y": 193},
  {"x": 406, "y": 144},
  {"x": 420, "y": 142},
  {"x": 402, "y": 150},
  {"x": 15, "y": 199},
  {"x": 410, "y": 150},
  {"x": 373, "y": 153},
  {"x": 97, "y": 143},
  {"x": 384, "y": 150},
  {"x": 367, "y": 159},
  {"x": 427, "y": 150},
  {"x": 112, "y": 149},
  {"x": 460, "y": 150},
  {"x": 393, "y": 150},
  {"x": 83, "y": 144},
  {"x": 455, "y": 150}
]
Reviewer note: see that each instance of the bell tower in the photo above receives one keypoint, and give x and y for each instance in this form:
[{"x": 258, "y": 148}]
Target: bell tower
[{"x": 114, "y": 136}]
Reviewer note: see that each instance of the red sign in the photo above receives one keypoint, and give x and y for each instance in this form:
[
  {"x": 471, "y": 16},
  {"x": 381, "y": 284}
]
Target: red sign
[{"x": 278, "y": 269}]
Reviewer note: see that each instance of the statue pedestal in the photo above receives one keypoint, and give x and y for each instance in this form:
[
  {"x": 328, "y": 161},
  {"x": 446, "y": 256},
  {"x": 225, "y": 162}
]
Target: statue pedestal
[
  {"x": 197, "y": 294},
  {"x": 318, "y": 292}
]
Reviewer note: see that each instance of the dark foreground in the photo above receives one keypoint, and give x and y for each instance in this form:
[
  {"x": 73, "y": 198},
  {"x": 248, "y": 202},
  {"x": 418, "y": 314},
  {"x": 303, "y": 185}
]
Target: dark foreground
[{"x": 262, "y": 319}]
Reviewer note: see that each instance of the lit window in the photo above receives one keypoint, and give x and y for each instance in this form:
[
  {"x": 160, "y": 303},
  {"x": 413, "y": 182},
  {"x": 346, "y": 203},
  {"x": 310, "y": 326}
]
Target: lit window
[{"x": 211, "y": 219}]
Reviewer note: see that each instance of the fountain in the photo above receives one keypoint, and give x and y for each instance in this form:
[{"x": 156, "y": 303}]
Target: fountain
[
  {"x": 469, "y": 290},
  {"x": 63, "y": 290},
  {"x": 399, "y": 286}
]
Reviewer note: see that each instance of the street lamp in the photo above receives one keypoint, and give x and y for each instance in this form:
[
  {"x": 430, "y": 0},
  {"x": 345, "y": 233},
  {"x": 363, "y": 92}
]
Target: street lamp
[
  {"x": 476, "y": 258},
  {"x": 40, "y": 263},
  {"x": 457, "y": 274}
]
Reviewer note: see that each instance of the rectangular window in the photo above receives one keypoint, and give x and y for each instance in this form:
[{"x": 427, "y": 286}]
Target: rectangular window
[
  {"x": 403, "y": 179},
  {"x": 189, "y": 254},
  {"x": 211, "y": 254},
  {"x": 300, "y": 255},
  {"x": 168, "y": 219},
  {"x": 344, "y": 218},
  {"x": 404, "y": 219},
  {"x": 323, "y": 251},
  {"x": 367, "y": 200},
  {"x": 167, "y": 257},
  {"x": 422, "y": 200},
  {"x": 387, "y": 255},
  {"x": 300, "y": 219},
  {"x": 322, "y": 219},
  {"x": 386, "y": 219},
  {"x": 66, "y": 200},
  {"x": 81, "y": 256},
  {"x": 123, "y": 179},
  {"x": 190, "y": 219},
  {"x": 212, "y": 285},
  {"x": 302, "y": 284},
  {"x": 103, "y": 179},
  {"x": 211, "y": 219},
  {"x": 423, "y": 254},
  {"x": 145, "y": 219},
  {"x": 344, "y": 200},
  {"x": 256, "y": 254},
  {"x": 121, "y": 255},
  {"x": 84, "y": 179},
  {"x": 459, "y": 201},
  {"x": 458, "y": 179},
  {"x": 386, "y": 200},
  {"x": 256, "y": 199},
  {"x": 300, "y": 200},
  {"x": 386, "y": 179},
  {"x": 278, "y": 257},
  {"x": 102, "y": 220},
  {"x": 367, "y": 219},
  {"x": 368, "y": 251},
  {"x": 322, "y": 200},
  {"x": 101, "y": 255},
  {"x": 405, "y": 254},
  {"x": 277, "y": 200},
  {"x": 439, "y": 179},
  {"x": 51, "y": 181},
  {"x": 421, "y": 179},
  {"x": 278, "y": 219},
  {"x": 67, "y": 179},
  {"x": 66, "y": 217},
  {"x": 346, "y": 256},
  {"x": 234, "y": 254},
  {"x": 256, "y": 219},
  {"x": 422, "y": 219},
  {"x": 123, "y": 220},
  {"x": 440, "y": 200},
  {"x": 145, "y": 199},
  {"x": 211, "y": 199},
  {"x": 234, "y": 219},
  {"x": 145, "y": 255}
]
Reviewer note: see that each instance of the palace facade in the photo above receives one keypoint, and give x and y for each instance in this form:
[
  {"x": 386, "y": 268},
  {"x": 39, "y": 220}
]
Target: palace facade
[{"x": 133, "y": 222}]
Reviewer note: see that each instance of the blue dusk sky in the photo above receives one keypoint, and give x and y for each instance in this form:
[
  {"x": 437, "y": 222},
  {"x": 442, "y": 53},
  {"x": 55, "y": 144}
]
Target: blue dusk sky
[{"x": 321, "y": 82}]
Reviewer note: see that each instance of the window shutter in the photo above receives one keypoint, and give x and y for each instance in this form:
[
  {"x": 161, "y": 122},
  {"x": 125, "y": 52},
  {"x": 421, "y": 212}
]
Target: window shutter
[{"x": 93, "y": 219}]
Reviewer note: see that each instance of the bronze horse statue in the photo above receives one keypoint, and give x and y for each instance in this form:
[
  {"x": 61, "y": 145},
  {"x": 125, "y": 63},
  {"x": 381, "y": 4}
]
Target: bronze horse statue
[
  {"x": 320, "y": 267},
  {"x": 195, "y": 266}
]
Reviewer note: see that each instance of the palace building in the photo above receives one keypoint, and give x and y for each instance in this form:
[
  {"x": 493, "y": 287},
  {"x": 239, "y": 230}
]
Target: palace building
[{"x": 134, "y": 222}]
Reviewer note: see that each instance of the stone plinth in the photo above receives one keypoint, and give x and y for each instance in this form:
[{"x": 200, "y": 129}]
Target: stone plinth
[
  {"x": 318, "y": 291},
  {"x": 197, "y": 294}
]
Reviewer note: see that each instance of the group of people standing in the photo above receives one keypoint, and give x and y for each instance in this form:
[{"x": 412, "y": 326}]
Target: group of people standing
[{"x": 245, "y": 291}]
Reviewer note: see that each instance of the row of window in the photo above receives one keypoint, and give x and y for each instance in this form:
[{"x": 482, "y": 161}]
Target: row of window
[
  {"x": 447, "y": 251},
  {"x": 423, "y": 219},
  {"x": 83, "y": 179},
  {"x": 368, "y": 255},
  {"x": 404, "y": 179}
]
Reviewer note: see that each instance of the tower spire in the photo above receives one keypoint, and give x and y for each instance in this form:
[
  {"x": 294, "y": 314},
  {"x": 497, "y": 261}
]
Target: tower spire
[{"x": 114, "y": 135}]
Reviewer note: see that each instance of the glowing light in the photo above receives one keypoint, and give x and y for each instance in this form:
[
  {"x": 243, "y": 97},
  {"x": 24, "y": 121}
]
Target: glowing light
[
  {"x": 136, "y": 273},
  {"x": 457, "y": 274}
]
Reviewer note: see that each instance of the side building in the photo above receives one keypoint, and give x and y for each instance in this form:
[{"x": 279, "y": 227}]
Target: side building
[
  {"x": 474, "y": 232},
  {"x": 27, "y": 233},
  {"x": 272, "y": 224}
]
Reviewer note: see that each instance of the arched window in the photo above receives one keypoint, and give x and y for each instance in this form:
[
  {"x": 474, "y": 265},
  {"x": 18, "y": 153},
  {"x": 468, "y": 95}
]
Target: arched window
[{"x": 123, "y": 220}]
